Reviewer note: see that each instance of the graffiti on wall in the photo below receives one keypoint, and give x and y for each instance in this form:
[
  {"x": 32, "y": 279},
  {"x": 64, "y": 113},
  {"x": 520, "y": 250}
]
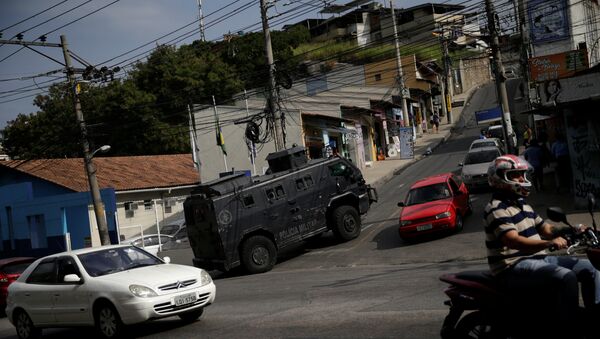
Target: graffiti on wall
[{"x": 585, "y": 160}]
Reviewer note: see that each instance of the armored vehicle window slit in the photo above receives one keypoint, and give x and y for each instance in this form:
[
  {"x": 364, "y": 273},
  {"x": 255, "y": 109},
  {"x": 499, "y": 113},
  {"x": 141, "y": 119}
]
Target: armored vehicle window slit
[
  {"x": 279, "y": 191},
  {"x": 270, "y": 193},
  {"x": 300, "y": 185},
  {"x": 338, "y": 170},
  {"x": 248, "y": 200}
]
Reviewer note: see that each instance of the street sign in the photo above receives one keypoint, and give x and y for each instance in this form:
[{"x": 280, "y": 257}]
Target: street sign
[{"x": 488, "y": 115}]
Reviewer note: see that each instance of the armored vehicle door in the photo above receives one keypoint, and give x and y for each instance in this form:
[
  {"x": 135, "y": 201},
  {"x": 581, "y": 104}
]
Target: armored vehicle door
[
  {"x": 307, "y": 212},
  {"x": 337, "y": 178},
  {"x": 277, "y": 212}
]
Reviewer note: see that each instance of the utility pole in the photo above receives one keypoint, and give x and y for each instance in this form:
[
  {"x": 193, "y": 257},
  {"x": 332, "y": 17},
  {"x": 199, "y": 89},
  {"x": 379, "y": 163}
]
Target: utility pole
[
  {"x": 201, "y": 20},
  {"x": 442, "y": 79},
  {"x": 87, "y": 157},
  {"x": 447, "y": 79},
  {"x": 400, "y": 72},
  {"x": 500, "y": 78},
  {"x": 525, "y": 53},
  {"x": 89, "y": 167},
  {"x": 272, "y": 97}
]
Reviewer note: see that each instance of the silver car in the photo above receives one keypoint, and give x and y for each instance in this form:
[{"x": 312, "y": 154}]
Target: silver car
[
  {"x": 488, "y": 142},
  {"x": 475, "y": 166}
]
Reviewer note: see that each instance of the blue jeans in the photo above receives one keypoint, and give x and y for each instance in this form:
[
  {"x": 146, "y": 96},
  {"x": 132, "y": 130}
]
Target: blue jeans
[{"x": 561, "y": 274}]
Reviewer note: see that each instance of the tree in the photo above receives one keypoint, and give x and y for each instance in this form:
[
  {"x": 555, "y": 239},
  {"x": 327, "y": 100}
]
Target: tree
[
  {"x": 146, "y": 113},
  {"x": 180, "y": 77},
  {"x": 247, "y": 53},
  {"x": 51, "y": 132}
]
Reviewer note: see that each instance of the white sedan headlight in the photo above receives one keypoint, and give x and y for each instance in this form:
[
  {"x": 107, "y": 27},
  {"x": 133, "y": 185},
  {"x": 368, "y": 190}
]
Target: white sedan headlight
[
  {"x": 443, "y": 215},
  {"x": 142, "y": 291},
  {"x": 205, "y": 278}
]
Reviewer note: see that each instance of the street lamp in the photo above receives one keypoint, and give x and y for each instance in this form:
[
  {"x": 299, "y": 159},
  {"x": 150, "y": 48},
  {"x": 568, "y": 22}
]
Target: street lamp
[{"x": 102, "y": 149}]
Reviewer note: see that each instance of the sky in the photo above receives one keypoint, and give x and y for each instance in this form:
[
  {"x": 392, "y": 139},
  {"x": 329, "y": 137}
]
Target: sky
[{"x": 118, "y": 32}]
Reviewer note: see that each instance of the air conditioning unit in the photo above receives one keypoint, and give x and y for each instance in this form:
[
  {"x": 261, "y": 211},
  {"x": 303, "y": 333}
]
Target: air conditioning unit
[{"x": 169, "y": 202}]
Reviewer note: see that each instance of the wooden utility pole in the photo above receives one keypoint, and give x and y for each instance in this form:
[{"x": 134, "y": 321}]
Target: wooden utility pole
[
  {"x": 500, "y": 78},
  {"x": 400, "y": 72},
  {"x": 272, "y": 97},
  {"x": 87, "y": 156}
]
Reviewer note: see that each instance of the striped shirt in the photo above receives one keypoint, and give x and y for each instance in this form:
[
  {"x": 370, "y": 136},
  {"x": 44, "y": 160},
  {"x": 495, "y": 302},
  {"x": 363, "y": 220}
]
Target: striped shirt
[{"x": 503, "y": 214}]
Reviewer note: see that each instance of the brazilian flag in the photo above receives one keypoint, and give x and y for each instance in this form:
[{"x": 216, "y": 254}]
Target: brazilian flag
[{"x": 219, "y": 135}]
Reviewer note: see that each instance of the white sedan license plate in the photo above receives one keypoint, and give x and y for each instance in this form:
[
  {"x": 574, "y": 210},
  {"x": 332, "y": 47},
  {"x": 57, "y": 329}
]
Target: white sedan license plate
[
  {"x": 424, "y": 227},
  {"x": 185, "y": 299}
]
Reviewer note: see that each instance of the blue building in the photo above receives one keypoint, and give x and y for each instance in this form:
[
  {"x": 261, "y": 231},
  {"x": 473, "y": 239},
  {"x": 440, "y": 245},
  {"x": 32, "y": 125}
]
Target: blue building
[
  {"x": 36, "y": 216},
  {"x": 45, "y": 204}
]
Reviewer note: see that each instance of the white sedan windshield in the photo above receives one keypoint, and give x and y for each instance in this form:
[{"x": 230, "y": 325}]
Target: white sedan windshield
[
  {"x": 115, "y": 260},
  {"x": 481, "y": 157}
]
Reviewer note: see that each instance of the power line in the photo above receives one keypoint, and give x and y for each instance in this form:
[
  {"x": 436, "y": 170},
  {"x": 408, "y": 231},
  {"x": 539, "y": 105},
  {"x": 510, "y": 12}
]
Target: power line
[{"x": 33, "y": 16}]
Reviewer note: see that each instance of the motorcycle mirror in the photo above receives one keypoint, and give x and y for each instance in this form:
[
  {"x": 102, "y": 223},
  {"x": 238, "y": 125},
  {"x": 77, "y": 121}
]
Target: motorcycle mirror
[
  {"x": 557, "y": 214},
  {"x": 591, "y": 202}
]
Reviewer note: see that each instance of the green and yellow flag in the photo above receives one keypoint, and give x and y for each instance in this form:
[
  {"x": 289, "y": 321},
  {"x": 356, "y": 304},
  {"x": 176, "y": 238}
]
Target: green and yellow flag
[{"x": 219, "y": 133}]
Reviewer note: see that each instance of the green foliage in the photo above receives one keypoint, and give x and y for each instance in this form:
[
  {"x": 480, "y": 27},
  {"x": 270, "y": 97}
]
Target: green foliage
[{"x": 52, "y": 132}]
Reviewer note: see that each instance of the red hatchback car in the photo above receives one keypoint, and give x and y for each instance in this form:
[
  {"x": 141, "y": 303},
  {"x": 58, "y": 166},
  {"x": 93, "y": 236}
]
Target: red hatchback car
[
  {"x": 10, "y": 270},
  {"x": 437, "y": 203}
]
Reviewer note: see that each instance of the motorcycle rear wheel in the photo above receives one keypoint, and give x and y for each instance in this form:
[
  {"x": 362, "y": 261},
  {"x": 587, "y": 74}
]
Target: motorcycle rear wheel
[{"x": 475, "y": 326}]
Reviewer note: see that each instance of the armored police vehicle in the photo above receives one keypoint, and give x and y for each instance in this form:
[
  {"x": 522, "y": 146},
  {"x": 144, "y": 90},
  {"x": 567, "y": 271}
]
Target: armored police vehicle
[{"x": 240, "y": 220}]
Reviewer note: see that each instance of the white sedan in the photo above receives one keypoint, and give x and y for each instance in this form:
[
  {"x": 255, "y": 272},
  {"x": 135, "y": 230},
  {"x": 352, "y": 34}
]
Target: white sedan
[{"x": 106, "y": 287}]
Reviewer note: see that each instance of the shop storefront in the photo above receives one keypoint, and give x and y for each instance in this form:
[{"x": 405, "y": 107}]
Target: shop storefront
[
  {"x": 573, "y": 113},
  {"x": 325, "y": 136}
]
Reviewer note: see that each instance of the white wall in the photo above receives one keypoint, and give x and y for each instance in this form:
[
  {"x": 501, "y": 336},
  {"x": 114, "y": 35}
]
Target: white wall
[{"x": 238, "y": 158}]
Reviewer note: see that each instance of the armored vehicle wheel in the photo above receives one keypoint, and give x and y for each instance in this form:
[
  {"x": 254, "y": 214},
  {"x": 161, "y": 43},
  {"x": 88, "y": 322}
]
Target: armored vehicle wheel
[
  {"x": 346, "y": 223},
  {"x": 258, "y": 254}
]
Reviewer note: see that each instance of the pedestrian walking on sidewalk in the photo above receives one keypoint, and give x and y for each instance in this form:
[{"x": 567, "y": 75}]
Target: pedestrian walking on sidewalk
[
  {"x": 435, "y": 122},
  {"x": 535, "y": 156},
  {"x": 527, "y": 135}
]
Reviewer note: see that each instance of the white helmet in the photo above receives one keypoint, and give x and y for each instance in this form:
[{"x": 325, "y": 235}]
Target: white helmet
[{"x": 501, "y": 166}]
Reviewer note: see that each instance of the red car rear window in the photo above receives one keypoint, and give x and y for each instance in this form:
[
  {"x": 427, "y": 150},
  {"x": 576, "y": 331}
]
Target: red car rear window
[{"x": 15, "y": 268}]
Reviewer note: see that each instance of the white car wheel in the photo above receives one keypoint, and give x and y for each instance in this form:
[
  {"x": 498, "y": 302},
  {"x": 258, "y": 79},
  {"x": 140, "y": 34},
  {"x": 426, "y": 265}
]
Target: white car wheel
[
  {"x": 24, "y": 326},
  {"x": 108, "y": 321}
]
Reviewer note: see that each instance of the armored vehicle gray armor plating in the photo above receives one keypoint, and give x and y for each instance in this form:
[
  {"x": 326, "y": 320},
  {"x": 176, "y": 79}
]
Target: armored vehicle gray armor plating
[{"x": 240, "y": 220}]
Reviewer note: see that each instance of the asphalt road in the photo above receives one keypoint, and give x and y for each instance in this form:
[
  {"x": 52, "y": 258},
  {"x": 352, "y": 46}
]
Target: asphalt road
[{"x": 376, "y": 286}]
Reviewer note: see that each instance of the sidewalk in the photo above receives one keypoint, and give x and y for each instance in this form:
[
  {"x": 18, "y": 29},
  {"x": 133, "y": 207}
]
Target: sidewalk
[{"x": 382, "y": 171}]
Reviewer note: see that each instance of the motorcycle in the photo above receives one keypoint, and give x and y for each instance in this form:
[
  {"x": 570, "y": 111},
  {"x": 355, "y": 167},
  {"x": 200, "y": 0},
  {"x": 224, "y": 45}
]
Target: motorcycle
[{"x": 480, "y": 307}]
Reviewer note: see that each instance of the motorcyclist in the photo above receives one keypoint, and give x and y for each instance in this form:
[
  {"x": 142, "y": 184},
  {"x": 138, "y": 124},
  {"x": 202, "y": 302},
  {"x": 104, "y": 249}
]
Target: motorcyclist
[{"x": 517, "y": 240}]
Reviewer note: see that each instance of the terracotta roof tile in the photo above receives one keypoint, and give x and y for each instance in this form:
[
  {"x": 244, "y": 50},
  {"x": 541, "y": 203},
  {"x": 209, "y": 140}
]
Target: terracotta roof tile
[{"x": 120, "y": 173}]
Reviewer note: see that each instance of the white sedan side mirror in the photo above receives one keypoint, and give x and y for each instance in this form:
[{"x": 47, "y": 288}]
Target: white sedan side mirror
[{"x": 72, "y": 278}]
